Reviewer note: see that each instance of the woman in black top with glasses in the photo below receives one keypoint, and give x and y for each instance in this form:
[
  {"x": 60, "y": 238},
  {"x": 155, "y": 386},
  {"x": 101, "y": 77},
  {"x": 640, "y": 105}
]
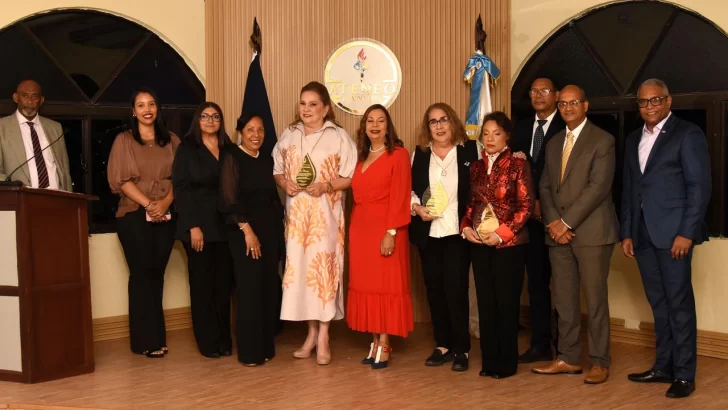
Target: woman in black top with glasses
[{"x": 201, "y": 228}]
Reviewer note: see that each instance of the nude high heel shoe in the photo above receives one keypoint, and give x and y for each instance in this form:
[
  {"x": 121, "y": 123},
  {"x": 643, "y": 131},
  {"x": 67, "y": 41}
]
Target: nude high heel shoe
[{"x": 304, "y": 353}]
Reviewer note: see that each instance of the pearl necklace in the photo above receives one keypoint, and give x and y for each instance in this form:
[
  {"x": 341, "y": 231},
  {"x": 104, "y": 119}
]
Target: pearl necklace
[
  {"x": 246, "y": 151},
  {"x": 377, "y": 150}
]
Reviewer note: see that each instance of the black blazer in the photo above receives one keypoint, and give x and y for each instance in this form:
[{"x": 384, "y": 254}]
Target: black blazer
[
  {"x": 196, "y": 184},
  {"x": 467, "y": 154},
  {"x": 522, "y": 140},
  {"x": 674, "y": 191}
]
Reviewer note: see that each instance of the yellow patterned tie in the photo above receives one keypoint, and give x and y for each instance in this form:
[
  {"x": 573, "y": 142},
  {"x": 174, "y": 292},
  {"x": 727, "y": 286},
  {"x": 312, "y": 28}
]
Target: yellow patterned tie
[{"x": 566, "y": 153}]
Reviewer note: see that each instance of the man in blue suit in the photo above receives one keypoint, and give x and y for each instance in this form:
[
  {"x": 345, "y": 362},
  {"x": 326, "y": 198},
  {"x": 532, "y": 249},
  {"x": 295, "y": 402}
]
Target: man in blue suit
[{"x": 665, "y": 193}]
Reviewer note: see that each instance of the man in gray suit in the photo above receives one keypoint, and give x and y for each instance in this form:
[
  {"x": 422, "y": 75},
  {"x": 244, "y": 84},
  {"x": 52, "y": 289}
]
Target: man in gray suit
[
  {"x": 576, "y": 199},
  {"x": 25, "y": 134}
]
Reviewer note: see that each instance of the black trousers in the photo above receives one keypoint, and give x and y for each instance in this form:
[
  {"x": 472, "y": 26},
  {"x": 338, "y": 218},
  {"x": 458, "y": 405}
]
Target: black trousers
[
  {"x": 669, "y": 289},
  {"x": 258, "y": 296},
  {"x": 445, "y": 267},
  {"x": 538, "y": 268},
  {"x": 147, "y": 247},
  {"x": 498, "y": 282},
  {"x": 211, "y": 281}
]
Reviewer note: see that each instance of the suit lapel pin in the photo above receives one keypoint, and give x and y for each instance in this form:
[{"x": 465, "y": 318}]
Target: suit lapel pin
[{"x": 467, "y": 164}]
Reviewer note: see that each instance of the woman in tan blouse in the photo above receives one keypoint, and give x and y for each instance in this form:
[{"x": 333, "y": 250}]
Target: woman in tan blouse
[{"x": 140, "y": 171}]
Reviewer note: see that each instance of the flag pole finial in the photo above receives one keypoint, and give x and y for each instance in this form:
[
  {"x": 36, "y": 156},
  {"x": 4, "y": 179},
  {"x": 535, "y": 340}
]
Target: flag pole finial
[
  {"x": 256, "y": 41},
  {"x": 480, "y": 35}
]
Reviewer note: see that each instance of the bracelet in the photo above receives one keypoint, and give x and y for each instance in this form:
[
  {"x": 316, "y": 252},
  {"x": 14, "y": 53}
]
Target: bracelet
[
  {"x": 244, "y": 225},
  {"x": 329, "y": 187},
  {"x": 148, "y": 205}
]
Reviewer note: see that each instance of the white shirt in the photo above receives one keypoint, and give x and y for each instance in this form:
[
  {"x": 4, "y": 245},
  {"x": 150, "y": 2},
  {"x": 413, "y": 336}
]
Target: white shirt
[
  {"x": 448, "y": 223},
  {"x": 576, "y": 131},
  {"x": 648, "y": 141},
  {"x": 549, "y": 119},
  {"x": 47, "y": 154}
]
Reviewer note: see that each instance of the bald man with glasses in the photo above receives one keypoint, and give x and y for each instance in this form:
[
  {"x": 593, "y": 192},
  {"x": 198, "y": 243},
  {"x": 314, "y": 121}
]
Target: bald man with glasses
[{"x": 665, "y": 194}]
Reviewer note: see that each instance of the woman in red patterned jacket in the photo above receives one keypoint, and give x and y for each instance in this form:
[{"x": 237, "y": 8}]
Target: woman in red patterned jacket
[{"x": 501, "y": 201}]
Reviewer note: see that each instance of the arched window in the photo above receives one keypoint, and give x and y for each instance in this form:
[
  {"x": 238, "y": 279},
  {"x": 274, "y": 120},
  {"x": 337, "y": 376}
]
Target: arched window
[
  {"x": 610, "y": 50},
  {"x": 88, "y": 63}
]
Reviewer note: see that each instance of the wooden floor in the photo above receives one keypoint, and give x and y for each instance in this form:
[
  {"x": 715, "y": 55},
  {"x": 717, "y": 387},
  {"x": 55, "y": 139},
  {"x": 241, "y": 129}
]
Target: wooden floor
[{"x": 185, "y": 380}]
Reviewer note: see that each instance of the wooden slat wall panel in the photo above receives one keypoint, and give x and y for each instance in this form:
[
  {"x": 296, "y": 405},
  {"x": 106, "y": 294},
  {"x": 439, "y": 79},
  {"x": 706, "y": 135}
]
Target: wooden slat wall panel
[{"x": 433, "y": 40}]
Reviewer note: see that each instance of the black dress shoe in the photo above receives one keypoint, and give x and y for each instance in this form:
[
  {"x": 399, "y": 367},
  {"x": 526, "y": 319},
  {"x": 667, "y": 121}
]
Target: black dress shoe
[
  {"x": 213, "y": 355},
  {"x": 486, "y": 373},
  {"x": 535, "y": 355},
  {"x": 680, "y": 389},
  {"x": 651, "y": 376},
  {"x": 501, "y": 375},
  {"x": 460, "y": 364},
  {"x": 226, "y": 352},
  {"x": 437, "y": 358}
]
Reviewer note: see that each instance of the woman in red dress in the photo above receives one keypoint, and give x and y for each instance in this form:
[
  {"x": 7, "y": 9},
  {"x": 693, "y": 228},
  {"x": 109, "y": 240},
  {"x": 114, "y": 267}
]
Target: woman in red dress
[{"x": 379, "y": 299}]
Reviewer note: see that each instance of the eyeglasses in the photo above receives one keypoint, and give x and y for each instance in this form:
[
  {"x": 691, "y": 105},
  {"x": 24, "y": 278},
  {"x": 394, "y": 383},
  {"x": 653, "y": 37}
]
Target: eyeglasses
[
  {"x": 433, "y": 122},
  {"x": 208, "y": 117},
  {"x": 654, "y": 101},
  {"x": 573, "y": 103},
  {"x": 543, "y": 92}
]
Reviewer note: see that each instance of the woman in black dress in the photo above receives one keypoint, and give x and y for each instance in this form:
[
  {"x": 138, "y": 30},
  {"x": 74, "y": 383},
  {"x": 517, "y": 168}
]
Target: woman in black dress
[
  {"x": 254, "y": 213},
  {"x": 201, "y": 228}
]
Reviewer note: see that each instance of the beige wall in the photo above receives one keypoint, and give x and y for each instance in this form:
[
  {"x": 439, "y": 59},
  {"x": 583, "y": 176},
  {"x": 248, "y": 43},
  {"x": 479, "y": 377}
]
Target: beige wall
[
  {"x": 532, "y": 23},
  {"x": 181, "y": 23}
]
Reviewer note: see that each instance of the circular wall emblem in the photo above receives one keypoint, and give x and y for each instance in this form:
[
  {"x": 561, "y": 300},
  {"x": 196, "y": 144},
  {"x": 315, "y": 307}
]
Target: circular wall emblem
[{"x": 361, "y": 73}]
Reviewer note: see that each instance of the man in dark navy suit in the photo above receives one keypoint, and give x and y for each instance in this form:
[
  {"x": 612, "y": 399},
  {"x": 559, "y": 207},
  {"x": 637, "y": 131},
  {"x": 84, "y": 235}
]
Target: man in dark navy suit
[
  {"x": 530, "y": 137},
  {"x": 665, "y": 194}
]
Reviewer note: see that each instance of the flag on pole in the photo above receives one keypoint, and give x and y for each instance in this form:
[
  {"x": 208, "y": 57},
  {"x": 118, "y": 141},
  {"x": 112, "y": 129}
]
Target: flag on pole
[
  {"x": 481, "y": 73},
  {"x": 255, "y": 97}
]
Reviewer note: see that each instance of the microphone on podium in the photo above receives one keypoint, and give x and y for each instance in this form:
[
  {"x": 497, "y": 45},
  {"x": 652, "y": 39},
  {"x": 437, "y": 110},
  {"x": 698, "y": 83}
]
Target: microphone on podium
[{"x": 8, "y": 182}]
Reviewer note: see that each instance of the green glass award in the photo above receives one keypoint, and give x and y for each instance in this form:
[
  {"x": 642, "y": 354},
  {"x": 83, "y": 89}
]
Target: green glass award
[
  {"x": 435, "y": 200},
  {"x": 307, "y": 174}
]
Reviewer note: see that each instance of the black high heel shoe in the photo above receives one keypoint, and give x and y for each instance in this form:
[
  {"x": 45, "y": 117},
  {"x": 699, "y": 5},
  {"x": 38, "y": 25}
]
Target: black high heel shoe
[
  {"x": 381, "y": 364},
  {"x": 154, "y": 354},
  {"x": 370, "y": 358}
]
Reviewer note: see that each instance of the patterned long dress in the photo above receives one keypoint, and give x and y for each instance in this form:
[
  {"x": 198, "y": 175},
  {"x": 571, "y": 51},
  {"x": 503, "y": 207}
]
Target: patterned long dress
[{"x": 314, "y": 226}]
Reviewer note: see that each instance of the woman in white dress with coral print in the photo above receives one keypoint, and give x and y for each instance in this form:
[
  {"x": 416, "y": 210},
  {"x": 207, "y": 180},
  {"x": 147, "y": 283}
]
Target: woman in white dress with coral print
[{"x": 314, "y": 161}]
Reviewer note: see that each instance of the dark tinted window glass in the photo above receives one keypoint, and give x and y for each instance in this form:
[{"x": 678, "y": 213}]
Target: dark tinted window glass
[
  {"x": 103, "y": 133},
  {"x": 22, "y": 58},
  {"x": 157, "y": 66},
  {"x": 88, "y": 46}
]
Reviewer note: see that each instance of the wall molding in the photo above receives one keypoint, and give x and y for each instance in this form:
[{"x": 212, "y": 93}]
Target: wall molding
[
  {"x": 117, "y": 327},
  {"x": 710, "y": 344}
]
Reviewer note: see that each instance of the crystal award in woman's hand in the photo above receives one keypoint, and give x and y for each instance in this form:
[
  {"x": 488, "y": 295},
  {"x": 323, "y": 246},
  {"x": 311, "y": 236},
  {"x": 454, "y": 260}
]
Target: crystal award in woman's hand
[
  {"x": 488, "y": 222},
  {"x": 307, "y": 174},
  {"x": 435, "y": 200}
]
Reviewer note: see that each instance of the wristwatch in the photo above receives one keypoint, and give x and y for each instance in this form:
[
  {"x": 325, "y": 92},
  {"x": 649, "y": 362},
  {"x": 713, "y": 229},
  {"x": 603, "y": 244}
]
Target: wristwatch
[{"x": 392, "y": 232}]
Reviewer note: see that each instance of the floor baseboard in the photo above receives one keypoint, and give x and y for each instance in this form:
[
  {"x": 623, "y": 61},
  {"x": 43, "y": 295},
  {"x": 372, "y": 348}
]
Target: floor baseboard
[
  {"x": 710, "y": 344},
  {"x": 117, "y": 327}
]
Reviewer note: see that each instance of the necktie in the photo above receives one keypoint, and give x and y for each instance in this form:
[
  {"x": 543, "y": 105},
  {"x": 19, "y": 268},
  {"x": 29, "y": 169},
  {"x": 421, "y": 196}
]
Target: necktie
[
  {"x": 538, "y": 140},
  {"x": 567, "y": 152},
  {"x": 39, "y": 160}
]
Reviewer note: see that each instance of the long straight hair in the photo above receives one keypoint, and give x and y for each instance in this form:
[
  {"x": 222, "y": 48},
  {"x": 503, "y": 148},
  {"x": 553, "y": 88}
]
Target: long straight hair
[
  {"x": 161, "y": 134},
  {"x": 194, "y": 135},
  {"x": 391, "y": 140}
]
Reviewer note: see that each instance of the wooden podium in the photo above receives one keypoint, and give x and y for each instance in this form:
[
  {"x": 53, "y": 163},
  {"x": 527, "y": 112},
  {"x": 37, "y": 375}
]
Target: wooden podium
[{"x": 45, "y": 296}]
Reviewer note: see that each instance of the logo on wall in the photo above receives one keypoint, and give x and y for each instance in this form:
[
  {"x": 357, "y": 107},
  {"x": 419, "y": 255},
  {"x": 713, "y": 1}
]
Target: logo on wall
[{"x": 361, "y": 73}]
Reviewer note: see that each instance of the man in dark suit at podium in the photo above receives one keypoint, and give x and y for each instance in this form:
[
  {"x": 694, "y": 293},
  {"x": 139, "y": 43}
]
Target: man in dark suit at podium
[
  {"x": 24, "y": 135},
  {"x": 665, "y": 194},
  {"x": 530, "y": 137}
]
